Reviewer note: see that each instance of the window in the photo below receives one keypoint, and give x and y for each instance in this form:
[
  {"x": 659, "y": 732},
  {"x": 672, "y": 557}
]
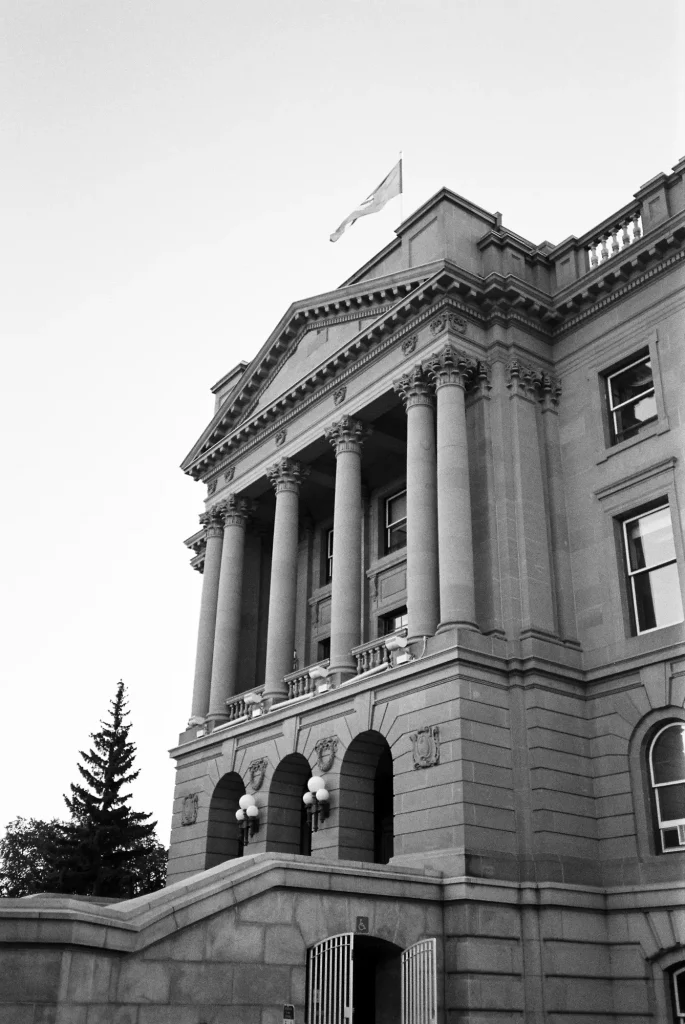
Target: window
[
  {"x": 324, "y": 649},
  {"x": 328, "y": 567},
  {"x": 667, "y": 770},
  {"x": 394, "y": 621},
  {"x": 631, "y": 398},
  {"x": 652, "y": 570},
  {"x": 396, "y": 522},
  {"x": 678, "y": 978}
]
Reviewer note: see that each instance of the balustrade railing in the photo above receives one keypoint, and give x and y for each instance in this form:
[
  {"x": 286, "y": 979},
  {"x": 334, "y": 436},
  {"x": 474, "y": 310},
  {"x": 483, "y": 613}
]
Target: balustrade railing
[
  {"x": 236, "y": 707},
  {"x": 299, "y": 683},
  {"x": 374, "y": 653},
  {"x": 615, "y": 238}
]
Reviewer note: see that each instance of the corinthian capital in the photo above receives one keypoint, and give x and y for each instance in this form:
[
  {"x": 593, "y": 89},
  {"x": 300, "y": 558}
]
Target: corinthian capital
[
  {"x": 235, "y": 511},
  {"x": 415, "y": 388},
  {"x": 346, "y": 435},
  {"x": 450, "y": 366},
  {"x": 550, "y": 392},
  {"x": 213, "y": 522},
  {"x": 287, "y": 475},
  {"x": 523, "y": 379}
]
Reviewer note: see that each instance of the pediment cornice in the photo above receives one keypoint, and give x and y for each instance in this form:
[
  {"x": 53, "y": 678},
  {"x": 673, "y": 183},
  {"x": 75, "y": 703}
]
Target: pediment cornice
[{"x": 402, "y": 303}]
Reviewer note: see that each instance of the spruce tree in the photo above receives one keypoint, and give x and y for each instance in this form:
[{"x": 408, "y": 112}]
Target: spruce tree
[{"x": 106, "y": 847}]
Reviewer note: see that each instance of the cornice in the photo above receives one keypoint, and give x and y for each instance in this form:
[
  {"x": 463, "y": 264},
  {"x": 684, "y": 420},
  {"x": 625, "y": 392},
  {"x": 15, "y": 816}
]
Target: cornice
[{"x": 497, "y": 299}]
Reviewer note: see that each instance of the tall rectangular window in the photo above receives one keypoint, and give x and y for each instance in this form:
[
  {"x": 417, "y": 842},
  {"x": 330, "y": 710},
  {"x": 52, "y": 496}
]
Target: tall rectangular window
[
  {"x": 652, "y": 570},
  {"x": 631, "y": 399},
  {"x": 328, "y": 569},
  {"x": 396, "y": 522}
]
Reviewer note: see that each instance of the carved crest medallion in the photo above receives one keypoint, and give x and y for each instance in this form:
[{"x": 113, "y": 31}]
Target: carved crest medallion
[
  {"x": 444, "y": 320},
  {"x": 229, "y": 474},
  {"x": 326, "y": 749},
  {"x": 280, "y": 438},
  {"x": 189, "y": 809},
  {"x": 211, "y": 487},
  {"x": 257, "y": 772},
  {"x": 425, "y": 746},
  {"x": 408, "y": 345},
  {"x": 339, "y": 395}
]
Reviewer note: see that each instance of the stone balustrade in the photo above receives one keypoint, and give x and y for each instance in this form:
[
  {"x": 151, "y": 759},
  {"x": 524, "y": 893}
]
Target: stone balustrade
[
  {"x": 374, "y": 653},
  {"x": 299, "y": 682},
  {"x": 612, "y": 238},
  {"x": 237, "y": 708}
]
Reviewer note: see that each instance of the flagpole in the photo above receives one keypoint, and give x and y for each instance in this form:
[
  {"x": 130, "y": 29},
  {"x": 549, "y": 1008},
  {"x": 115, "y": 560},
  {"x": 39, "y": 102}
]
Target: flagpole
[{"x": 401, "y": 192}]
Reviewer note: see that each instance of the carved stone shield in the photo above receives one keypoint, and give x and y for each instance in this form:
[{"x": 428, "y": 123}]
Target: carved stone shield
[
  {"x": 425, "y": 746},
  {"x": 189, "y": 809},
  {"x": 257, "y": 771},
  {"x": 326, "y": 749}
]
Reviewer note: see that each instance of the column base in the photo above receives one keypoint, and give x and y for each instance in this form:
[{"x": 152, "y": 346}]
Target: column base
[
  {"x": 338, "y": 674},
  {"x": 445, "y": 627}
]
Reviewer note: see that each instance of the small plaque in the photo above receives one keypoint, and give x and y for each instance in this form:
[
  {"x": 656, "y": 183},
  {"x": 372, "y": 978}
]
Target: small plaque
[
  {"x": 362, "y": 927},
  {"x": 288, "y": 1012}
]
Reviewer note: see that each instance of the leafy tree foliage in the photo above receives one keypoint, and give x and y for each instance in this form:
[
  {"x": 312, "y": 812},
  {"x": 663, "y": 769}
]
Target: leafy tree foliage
[{"x": 24, "y": 855}]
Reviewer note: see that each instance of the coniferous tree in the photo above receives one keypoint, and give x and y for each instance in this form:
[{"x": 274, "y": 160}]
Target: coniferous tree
[{"x": 107, "y": 849}]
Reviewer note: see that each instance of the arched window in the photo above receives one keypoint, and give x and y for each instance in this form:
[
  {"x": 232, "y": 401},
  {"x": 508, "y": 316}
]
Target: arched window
[
  {"x": 678, "y": 979},
  {"x": 667, "y": 769}
]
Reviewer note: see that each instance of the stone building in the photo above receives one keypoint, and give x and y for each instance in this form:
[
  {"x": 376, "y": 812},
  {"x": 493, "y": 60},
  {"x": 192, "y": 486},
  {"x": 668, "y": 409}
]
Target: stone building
[{"x": 443, "y": 567}]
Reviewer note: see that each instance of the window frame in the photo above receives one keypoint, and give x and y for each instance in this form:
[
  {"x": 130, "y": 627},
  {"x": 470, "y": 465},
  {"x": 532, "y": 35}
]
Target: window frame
[
  {"x": 665, "y": 824},
  {"x": 678, "y": 1010},
  {"x": 393, "y": 614},
  {"x": 328, "y": 556},
  {"x": 642, "y": 356},
  {"x": 633, "y": 574},
  {"x": 388, "y": 526}
]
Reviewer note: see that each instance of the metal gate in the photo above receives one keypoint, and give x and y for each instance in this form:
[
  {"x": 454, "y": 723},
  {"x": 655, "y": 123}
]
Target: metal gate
[
  {"x": 419, "y": 983},
  {"x": 329, "y": 981}
]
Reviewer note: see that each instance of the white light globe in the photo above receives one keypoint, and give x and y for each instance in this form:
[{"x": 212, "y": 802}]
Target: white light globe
[
  {"x": 252, "y": 811},
  {"x": 246, "y": 801},
  {"x": 239, "y": 816},
  {"x": 315, "y": 783},
  {"x": 308, "y": 799},
  {"x": 323, "y": 796}
]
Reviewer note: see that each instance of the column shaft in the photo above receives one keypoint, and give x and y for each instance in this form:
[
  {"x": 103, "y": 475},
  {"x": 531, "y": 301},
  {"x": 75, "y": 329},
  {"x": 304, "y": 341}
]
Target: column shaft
[
  {"x": 280, "y": 640},
  {"x": 345, "y": 436},
  {"x": 422, "y": 520},
  {"x": 205, "y": 639},
  {"x": 450, "y": 371},
  {"x": 229, "y": 606}
]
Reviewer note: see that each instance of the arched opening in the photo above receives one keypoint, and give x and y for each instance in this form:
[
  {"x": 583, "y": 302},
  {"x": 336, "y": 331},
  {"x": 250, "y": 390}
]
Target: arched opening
[
  {"x": 366, "y": 800},
  {"x": 376, "y": 981},
  {"x": 667, "y": 776},
  {"x": 286, "y": 820},
  {"x": 224, "y": 838}
]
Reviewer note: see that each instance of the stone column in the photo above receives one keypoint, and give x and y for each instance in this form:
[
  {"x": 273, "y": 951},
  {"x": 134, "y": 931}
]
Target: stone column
[
  {"x": 234, "y": 512},
  {"x": 205, "y": 641},
  {"x": 286, "y": 477},
  {"x": 451, "y": 371},
  {"x": 346, "y": 437},
  {"x": 550, "y": 392},
  {"x": 422, "y": 519}
]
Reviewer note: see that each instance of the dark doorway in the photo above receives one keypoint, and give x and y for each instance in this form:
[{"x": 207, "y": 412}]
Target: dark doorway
[
  {"x": 224, "y": 838},
  {"x": 366, "y": 800},
  {"x": 286, "y": 824},
  {"x": 376, "y": 985}
]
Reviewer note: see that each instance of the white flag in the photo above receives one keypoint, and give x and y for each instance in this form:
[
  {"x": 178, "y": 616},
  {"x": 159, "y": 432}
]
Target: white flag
[{"x": 390, "y": 187}]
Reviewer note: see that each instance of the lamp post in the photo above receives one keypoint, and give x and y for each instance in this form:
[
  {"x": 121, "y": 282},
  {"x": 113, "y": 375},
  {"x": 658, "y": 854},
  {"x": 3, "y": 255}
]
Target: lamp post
[
  {"x": 247, "y": 817},
  {"x": 316, "y": 800}
]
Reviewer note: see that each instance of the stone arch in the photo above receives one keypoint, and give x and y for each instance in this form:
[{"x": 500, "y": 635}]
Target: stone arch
[
  {"x": 286, "y": 816},
  {"x": 643, "y": 804},
  {"x": 224, "y": 839},
  {"x": 365, "y": 800}
]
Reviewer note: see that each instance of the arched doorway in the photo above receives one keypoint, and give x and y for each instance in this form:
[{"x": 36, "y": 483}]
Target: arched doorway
[
  {"x": 224, "y": 838},
  {"x": 366, "y": 800},
  {"x": 286, "y": 818}
]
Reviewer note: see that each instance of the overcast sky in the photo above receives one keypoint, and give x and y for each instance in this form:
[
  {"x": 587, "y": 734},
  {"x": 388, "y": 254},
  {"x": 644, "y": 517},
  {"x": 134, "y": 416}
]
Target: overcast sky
[{"x": 171, "y": 173}]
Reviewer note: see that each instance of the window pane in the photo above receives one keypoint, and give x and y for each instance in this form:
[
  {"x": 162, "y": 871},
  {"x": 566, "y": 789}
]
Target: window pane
[
  {"x": 629, "y": 418},
  {"x": 650, "y": 539},
  {"x": 670, "y": 839},
  {"x": 397, "y": 537},
  {"x": 679, "y": 980},
  {"x": 657, "y": 598},
  {"x": 630, "y": 383},
  {"x": 668, "y": 755},
  {"x": 671, "y": 803},
  {"x": 397, "y": 508}
]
